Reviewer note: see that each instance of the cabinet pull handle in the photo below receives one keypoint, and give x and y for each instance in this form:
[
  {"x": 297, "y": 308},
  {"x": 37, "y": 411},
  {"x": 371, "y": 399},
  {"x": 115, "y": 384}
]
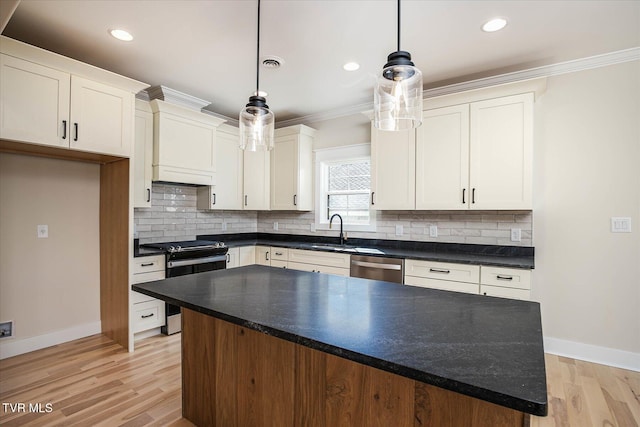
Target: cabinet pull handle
[
  {"x": 463, "y": 191},
  {"x": 214, "y": 199},
  {"x": 438, "y": 270},
  {"x": 145, "y": 316},
  {"x": 245, "y": 200},
  {"x": 500, "y": 277},
  {"x": 295, "y": 202},
  {"x": 75, "y": 127},
  {"x": 372, "y": 193},
  {"x": 228, "y": 259},
  {"x": 266, "y": 255},
  {"x": 473, "y": 195},
  {"x": 148, "y": 195},
  {"x": 278, "y": 253},
  {"x": 146, "y": 264},
  {"x": 64, "y": 129}
]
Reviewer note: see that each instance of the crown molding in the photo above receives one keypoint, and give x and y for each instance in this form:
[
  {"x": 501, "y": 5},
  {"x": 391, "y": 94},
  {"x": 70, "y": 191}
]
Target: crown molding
[
  {"x": 611, "y": 58},
  {"x": 173, "y": 96}
]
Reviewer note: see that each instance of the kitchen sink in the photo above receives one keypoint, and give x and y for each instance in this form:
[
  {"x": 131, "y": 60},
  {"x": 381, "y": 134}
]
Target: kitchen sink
[{"x": 339, "y": 248}]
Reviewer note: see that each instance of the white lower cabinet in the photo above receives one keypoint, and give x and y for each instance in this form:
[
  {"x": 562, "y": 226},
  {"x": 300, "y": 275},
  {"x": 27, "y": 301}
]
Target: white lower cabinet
[
  {"x": 505, "y": 282},
  {"x": 241, "y": 256},
  {"x": 273, "y": 256},
  {"x": 319, "y": 262},
  {"x": 474, "y": 279},
  {"x": 147, "y": 313},
  {"x": 440, "y": 275}
]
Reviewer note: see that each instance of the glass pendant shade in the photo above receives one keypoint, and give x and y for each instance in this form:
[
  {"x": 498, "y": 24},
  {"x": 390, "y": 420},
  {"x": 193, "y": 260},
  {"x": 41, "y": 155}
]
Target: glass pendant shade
[
  {"x": 256, "y": 125},
  {"x": 397, "y": 97}
]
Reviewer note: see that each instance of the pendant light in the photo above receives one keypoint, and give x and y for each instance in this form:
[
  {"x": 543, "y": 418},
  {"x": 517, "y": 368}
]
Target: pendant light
[
  {"x": 256, "y": 120},
  {"x": 397, "y": 97}
]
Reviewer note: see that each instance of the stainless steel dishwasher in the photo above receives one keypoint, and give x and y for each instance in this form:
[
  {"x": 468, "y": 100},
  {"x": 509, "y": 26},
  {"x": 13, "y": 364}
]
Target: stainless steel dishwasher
[{"x": 377, "y": 268}]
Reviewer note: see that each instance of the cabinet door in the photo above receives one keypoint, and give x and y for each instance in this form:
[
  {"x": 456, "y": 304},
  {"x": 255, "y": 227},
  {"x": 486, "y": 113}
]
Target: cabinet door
[
  {"x": 247, "y": 255},
  {"x": 263, "y": 256},
  {"x": 101, "y": 118},
  {"x": 501, "y": 153},
  {"x": 227, "y": 193},
  {"x": 393, "y": 169},
  {"x": 233, "y": 258},
  {"x": 284, "y": 173},
  {"x": 442, "y": 159},
  {"x": 142, "y": 157},
  {"x": 34, "y": 103},
  {"x": 256, "y": 180}
]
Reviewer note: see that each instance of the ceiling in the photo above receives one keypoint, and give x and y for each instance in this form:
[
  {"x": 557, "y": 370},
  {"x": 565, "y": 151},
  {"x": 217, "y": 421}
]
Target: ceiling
[{"x": 207, "y": 49}]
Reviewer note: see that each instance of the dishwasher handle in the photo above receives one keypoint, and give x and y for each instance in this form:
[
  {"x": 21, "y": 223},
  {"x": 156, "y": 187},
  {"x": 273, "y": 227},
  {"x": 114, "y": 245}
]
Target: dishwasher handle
[{"x": 378, "y": 265}]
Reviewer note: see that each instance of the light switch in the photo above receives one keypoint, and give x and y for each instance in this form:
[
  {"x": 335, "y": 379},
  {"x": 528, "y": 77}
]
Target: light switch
[
  {"x": 275, "y": 225},
  {"x": 433, "y": 231},
  {"x": 399, "y": 230},
  {"x": 516, "y": 234},
  {"x": 224, "y": 226},
  {"x": 620, "y": 224},
  {"x": 43, "y": 231}
]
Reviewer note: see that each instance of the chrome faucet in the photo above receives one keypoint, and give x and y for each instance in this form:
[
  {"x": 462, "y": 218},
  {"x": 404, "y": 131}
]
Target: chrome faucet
[{"x": 341, "y": 233}]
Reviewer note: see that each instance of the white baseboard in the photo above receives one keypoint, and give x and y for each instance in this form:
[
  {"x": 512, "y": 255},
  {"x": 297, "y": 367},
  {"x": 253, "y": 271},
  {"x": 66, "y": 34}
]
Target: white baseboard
[
  {"x": 147, "y": 334},
  {"x": 593, "y": 353},
  {"x": 10, "y": 347}
]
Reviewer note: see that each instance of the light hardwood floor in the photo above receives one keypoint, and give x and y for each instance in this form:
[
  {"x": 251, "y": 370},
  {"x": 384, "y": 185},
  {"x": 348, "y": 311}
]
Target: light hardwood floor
[{"x": 94, "y": 382}]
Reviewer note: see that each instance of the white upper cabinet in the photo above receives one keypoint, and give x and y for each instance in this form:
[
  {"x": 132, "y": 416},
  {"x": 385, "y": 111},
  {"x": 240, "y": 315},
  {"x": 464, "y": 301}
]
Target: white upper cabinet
[
  {"x": 476, "y": 156},
  {"x": 142, "y": 155},
  {"x": 184, "y": 144},
  {"x": 227, "y": 193},
  {"x": 442, "y": 159},
  {"x": 291, "y": 169},
  {"x": 393, "y": 169},
  {"x": 42, "y": 105},
  {"x": 501, "y": 153},
  {"x": 34, "y": 103},
  {"x": 257, "y": 182}
]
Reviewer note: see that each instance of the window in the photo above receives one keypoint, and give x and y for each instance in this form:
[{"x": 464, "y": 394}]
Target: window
[{"x": 343, "y": 186}]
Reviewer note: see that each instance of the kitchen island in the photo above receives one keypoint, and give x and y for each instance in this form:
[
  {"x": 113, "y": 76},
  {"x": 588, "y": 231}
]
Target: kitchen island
[{"x": 270, "y": 346}]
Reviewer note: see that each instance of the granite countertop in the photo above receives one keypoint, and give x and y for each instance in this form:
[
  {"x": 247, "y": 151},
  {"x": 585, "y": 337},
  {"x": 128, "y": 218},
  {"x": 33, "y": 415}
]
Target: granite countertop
[
  {"x": 483, "y": 347},
  {"x": 493, "y": 255}
]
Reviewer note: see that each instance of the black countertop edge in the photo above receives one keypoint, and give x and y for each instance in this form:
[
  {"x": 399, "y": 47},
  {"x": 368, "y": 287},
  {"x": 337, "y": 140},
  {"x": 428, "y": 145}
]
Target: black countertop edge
[
  {"x": 534, "y": 408},
  {"x": 461, "y": 253}
]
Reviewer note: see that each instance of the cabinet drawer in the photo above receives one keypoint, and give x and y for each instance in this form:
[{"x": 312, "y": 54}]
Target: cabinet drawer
[
  {"x": 148, "y": 263},
  {"x": 279, "y": 254},
  {"x": 147, "y": 277},
  {"x": 445, "y": 285},
  {"x": 148, "y": 315},
  {"x": 318, "y": 258},
  {"x": 278, "y": 263},
  {"x": 506, "y": 277},
  {"x": 319, "y": 268},
  {"x": 442, "y": 271},
  {"x": 137, "y": 298},
  {"x": 499, "y": 291}
]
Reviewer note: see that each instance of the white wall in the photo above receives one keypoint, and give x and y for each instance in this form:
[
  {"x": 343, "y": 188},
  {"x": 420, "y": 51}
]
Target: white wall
[
  {"x": 49, "y": 287},
  {"x": 586, "y": 170}
]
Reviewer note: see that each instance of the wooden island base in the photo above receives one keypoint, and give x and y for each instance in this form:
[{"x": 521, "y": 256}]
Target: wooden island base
[{"x": 235, "y": 376}]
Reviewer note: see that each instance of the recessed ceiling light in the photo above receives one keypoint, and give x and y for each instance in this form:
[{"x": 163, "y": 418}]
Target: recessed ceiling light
[
  {"x": 121, "y": 34},
  {"x": 495, "y": 24},
  {"x": 351, "y": 66}
]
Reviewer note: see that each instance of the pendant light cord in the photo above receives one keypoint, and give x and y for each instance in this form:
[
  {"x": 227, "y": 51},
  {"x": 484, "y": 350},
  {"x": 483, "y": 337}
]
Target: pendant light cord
[
  {"x": 258, "y": 55},
  {"x": 398, "y": 25}
]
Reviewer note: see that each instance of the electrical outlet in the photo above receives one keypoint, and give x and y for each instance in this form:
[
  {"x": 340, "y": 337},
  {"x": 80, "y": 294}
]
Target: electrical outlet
[
  {"x": 620, "y": 224},
  {"x": 433, "y": 231},
  {"x": 43, "y": 231},
  {"x": 399, "y": 230},
  {"x": 224, "y": 226},
  {"x": 6, "y": 329},
  {"x": 275, "y": 225},
  {"x": 516, "y": 234},
  {"x": 312, "y": 227}
]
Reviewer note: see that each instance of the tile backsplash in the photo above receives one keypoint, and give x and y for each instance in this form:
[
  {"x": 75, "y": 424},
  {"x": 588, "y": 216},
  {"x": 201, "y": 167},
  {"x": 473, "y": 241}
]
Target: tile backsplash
[{"x": 173, "y": 216}]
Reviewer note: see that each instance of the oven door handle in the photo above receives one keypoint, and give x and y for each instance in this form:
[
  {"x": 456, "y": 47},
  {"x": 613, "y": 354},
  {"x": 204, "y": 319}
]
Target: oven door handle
[{"x": 196, "y": 261}]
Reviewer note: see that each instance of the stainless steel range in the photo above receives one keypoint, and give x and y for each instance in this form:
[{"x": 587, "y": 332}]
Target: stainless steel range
[{"x": 188, "y": 257}]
